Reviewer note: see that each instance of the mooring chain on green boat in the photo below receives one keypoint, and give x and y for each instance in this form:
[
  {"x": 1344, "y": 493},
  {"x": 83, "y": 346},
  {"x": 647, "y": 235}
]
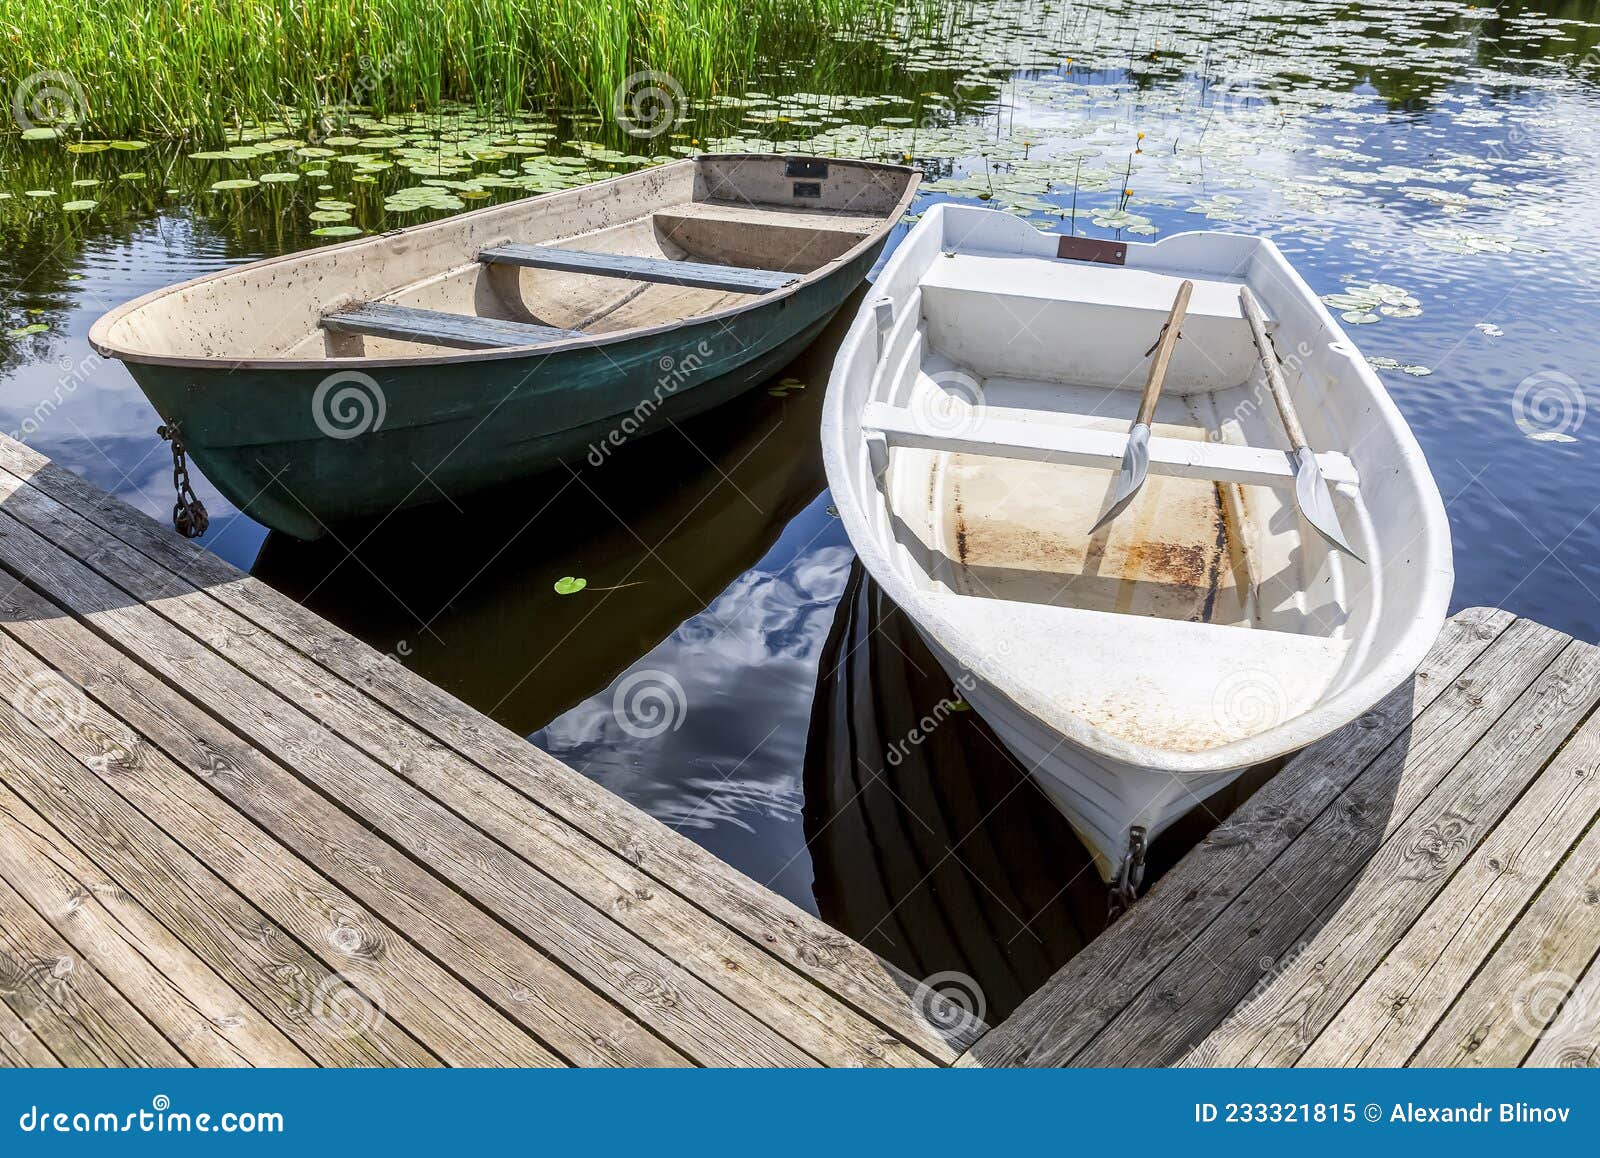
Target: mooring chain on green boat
[{"x": 189, "y": 517}]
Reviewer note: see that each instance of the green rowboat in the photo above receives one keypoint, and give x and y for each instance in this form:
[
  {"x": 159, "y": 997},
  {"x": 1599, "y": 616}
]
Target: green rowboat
[{"x": 357, "y": 379}]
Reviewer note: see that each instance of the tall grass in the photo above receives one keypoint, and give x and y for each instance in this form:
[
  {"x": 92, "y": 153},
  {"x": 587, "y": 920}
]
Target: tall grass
[{"x": 190, "y": 67}]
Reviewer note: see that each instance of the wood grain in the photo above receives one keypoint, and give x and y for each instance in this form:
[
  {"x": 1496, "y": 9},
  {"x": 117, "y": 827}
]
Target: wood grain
[
  {"x": 194, "y": 1008},
  {"x": 763, "y": 986},
  {"x": 1398, "y": 1005},
  {"x": 1445, "y": 818},
  {"x": 1053, "y": 1025},
  {"x": 841, "y": 966},
  {"x": 525, "y": 984},
  {"x": 1500, "y": 1016}
]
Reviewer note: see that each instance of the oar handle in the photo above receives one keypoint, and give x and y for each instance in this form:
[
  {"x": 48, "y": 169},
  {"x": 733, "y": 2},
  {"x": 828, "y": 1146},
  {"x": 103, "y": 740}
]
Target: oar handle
[
  {"x": 1163, "y": 355},
  {"x": 1269, "y": 363}
]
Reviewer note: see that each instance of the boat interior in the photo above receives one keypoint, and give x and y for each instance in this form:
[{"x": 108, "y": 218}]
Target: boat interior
[
  {"x": 997, "y": 420},
  {"x": 650, "y": 249}
]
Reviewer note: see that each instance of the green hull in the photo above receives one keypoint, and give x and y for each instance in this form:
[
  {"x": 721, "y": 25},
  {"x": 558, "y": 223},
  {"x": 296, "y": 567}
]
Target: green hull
[{"x": 301, "y": 459}]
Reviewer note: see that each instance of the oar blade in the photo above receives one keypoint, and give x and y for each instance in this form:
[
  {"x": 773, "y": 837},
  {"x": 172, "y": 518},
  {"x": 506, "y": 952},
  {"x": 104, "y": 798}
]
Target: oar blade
[
  {"x": 1131, "y": 476},
  {"x": 1311, "y": 494}
]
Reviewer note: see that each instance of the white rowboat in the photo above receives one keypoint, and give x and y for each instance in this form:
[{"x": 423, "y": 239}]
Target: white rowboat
[{"x": 975, "y": 420}]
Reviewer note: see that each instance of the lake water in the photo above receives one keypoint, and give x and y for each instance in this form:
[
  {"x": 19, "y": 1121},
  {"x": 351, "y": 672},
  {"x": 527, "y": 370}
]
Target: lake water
[{"x": 1430, "y": 166}]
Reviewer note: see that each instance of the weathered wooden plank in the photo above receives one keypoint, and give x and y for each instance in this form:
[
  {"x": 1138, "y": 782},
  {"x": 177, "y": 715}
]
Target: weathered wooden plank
[
  {"x": 1498, "y": 1018},
  {"x": 763, "y": 986},
  {"x": 210, "y": 1023},
  {"x": 249, "y": 950},
  {"x": 1396, "y": 1007},
  {"x": 1445, "y": 818},
  {"x": 658, "y": 992},
  {"x": 525, "y": 984},
  {"x": 1572, "y": 1040},
  {"x": 839, "y": 964},
  {"x": 66, "y": 1001},
  {"x": 19, "y": 1046},
  {"x": 439, "y": 328},
  {"x": 699, "y": 275},
  {"x": 1053, "y": 1025},
  {"x": 1265, "y": 922}
]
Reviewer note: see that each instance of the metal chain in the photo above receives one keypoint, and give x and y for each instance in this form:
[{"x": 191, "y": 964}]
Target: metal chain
[
  {"x": 189, "y": 516},
  {"x": 1130, "y": 875}
]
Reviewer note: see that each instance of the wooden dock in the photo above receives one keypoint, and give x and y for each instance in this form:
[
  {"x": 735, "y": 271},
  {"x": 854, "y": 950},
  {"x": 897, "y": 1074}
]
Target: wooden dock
[
  {"x": 232, "y": 834},
  {"x": 1422, "y": 888}
]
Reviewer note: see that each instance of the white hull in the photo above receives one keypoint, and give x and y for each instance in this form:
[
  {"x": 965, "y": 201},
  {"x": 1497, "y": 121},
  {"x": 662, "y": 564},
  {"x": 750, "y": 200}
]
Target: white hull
[
  {"x": 1102, "y": 798},
  {"x": 974, "y": 419}
]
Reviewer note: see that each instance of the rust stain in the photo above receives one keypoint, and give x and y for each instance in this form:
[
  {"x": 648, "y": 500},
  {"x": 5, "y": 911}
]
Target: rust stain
[
  {"x": 1182, "y": 564},
  {"x": 961, "y": 525}
]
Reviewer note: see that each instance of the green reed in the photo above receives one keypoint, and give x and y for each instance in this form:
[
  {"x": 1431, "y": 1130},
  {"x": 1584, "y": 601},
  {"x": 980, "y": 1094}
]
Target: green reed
[{"x": 195, "y": 67}]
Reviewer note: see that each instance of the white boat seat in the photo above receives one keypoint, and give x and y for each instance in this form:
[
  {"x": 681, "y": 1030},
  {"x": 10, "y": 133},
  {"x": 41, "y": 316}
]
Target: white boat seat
[
  {"x": 1084, "y": 446},
  {"x": 1186, "y": 687},
  {"x": 698, "y": 275},
  {"x": 440, "y": 328}
]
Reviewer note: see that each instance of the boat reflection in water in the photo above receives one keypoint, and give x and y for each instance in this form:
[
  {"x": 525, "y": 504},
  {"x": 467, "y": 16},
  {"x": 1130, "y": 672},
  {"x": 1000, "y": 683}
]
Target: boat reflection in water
[
  {"x": 712, "y": 566},
  {"x": 931, "y": 844}
]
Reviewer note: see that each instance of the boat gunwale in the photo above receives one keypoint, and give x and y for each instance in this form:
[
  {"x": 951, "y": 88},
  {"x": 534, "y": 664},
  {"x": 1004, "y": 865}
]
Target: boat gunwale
[
  {"x": 1405, "y": 652},
  {"x": 99, "y": 342}
]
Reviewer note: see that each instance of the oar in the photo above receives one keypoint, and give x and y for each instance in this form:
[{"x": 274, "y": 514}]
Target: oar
[
  {"x": 1310, "y": 491},
  {"x": 1136, "y": 456}
]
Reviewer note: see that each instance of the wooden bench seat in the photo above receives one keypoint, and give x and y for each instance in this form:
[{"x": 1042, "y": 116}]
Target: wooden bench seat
[
  {"x": 439, "y": 328},
  {"x": 1082, "y": 446},
  {"x": 728, "y": 278}
]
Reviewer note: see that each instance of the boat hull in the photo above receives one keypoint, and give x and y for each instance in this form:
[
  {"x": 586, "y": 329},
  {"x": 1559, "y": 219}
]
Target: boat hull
[
  {"x": 1103, "y": 798},
  {"x": 301, "y": 450}
]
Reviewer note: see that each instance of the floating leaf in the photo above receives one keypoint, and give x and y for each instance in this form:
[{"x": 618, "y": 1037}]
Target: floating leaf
[
  {"x": 39, "y": 192},
  {"x": 130, "y": 146},
  {"x": 233, "y": 183},
  {"x": 79, "y": 206},
  {"x": 276, "y": 178},
  {"x": 335, "y": 231},
  {"x": 570, "y": 585},
  {"x": 40, "y": 133},
  {"x": 25, "y": 331}
]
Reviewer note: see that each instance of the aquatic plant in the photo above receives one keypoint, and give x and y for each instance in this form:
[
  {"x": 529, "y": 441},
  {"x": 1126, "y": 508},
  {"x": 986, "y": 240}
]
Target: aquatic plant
[{"x": 196, "y": 67}]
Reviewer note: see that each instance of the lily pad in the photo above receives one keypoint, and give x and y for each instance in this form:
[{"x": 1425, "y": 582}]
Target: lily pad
[
  {"x": 570, "y": 585},
  {"x": 25, "y": 331},
  {"x": 79, "y": 206},
  {"x": 336, "y": 231},
  {"x": 233, "y": 183}
]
